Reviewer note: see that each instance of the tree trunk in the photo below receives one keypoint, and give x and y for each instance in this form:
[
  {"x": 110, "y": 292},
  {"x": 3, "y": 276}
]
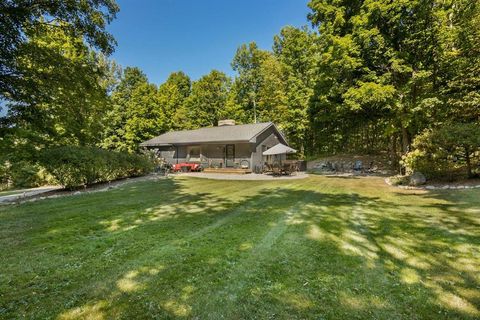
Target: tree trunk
[
  {"x": 469, "y": 165},
  {"x": 405, "y": 146},
  {"x": 405, "y": 140},
  {"x": 393, "y": 151}
]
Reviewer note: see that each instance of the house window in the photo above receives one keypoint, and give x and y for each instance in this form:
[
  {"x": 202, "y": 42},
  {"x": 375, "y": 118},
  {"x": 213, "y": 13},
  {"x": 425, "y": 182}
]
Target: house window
[{"x": 194, "y": 154}]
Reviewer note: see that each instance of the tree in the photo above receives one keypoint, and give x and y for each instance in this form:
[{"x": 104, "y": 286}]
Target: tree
[
  {"x": 440, "y": 151},
  {"x": 113, "y": 136},
  {"x": 206, "y": 103},
  {"x": 460, "y": 63},
  {"x": 271, "y": 93},
  {"x": 65, "y": 103},
  {"x": 380, "y": 68},
  {"x": 144, "y": 116},
  {"x": 246, "y": 62},
  {"x": 172, "y": 96},
  {"x": 182, "y": 82},
  {"x": 298, "y": 52},
  {"x": 79, "y": 19}
]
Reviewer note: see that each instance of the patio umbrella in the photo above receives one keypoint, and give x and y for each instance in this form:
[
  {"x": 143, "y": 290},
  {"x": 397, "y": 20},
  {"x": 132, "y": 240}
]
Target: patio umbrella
[{"x": 279, "y": 149}]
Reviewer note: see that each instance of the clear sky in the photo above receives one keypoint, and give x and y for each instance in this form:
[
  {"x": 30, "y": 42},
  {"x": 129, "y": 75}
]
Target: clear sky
[{"x": 196, "y": 36}]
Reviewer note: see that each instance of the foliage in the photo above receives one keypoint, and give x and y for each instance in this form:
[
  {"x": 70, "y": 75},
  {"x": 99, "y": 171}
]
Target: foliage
[
  {"x": 145, "y": 117},
  {"x": 69, "y": 108},
  {"x": 79, "y": 19},
  {"x": 140, "y": 110},
  {"x": 297, "y": 52},
  {"x": 400, "y": 180},
  {"x": 22, "y": 174},
  {"x": 443, "y": 151},
  {"x": 172, "y": 97},
  {"x": 389, "y": 70},
  {"x": 77, "y": 166},
  {"x": 206, "y": 103},
  {"x": 113, "y": 136},
  {"x": 247, "y": 62}
]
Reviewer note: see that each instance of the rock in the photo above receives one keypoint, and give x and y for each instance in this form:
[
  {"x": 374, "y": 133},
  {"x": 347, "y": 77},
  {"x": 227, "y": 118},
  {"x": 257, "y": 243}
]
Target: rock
[
  {"x": 76, "y": 193},
  {"x": 417, "y": 179}
]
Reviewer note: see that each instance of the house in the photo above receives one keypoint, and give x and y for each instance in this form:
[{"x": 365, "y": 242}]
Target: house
[{"x": 226, "y": 146}]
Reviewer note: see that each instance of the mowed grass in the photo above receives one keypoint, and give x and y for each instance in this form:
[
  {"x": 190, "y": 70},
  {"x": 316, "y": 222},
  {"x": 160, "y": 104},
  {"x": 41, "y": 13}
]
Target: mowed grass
[{"x": 317, "y": 248}]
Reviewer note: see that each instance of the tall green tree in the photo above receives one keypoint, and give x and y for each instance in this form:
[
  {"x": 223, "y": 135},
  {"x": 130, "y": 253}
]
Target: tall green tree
[
  {"x": 68, "y": 97},
  {"x": 460, "y": 62},
  {"x": 145, "y": 117},
  {"x": 172, "y": 96},
  {"x": 297, "y": 51},
  {"x": 246, "y": 63},
  {"x": 207, "y": 101},
  {"x": 114, "y": 134},
  {"x": 259, "y": 86},
  {"x": 79, "y": 19}
]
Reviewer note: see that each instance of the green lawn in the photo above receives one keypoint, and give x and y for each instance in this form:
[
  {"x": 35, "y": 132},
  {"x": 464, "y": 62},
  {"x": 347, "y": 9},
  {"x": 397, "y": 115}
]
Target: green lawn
[{"x": 318, "y": 248}]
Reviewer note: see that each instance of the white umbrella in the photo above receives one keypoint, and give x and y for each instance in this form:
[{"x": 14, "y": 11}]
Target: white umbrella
[{"x": 279, "y": 149}]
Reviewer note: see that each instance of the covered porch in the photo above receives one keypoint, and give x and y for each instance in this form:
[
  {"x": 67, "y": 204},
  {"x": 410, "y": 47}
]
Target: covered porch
[{"x": 228, "y": 157}]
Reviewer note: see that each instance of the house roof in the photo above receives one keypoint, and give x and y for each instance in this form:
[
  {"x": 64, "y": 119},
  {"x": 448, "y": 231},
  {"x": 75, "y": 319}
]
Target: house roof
[{"x": 222, "y": 134}]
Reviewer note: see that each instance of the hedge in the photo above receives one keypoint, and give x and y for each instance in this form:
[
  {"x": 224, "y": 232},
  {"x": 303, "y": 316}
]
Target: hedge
[
  {"x": 74, "y": 166},
  {"x": 446, "y": 152}
]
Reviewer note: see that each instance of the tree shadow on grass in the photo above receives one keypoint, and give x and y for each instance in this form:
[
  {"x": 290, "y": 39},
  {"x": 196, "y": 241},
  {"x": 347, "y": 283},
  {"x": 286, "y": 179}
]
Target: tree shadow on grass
[
  {"x": 175, "y": 250},
  {"x": 424, "y": 251}
]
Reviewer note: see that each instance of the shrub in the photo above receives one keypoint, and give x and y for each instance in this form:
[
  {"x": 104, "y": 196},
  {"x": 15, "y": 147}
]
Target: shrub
[
  {"x": 74, "y": 166},
  {"x": 21, "y": 174},
  {"x": 445, "y": 152},
  {"x": 400, "y": 180}
]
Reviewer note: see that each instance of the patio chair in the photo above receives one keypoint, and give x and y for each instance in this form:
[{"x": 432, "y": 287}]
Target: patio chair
[
  {"x": 287, "y": 168},
  {"x": 276, "y": 169},
  {"x": 204, "y": 165},
  {"x": 244, "y": 164},
  {"x": 295, "y": 166},
  {"x": 267, "y": 167},
  {"x": 358, "y": 166}
]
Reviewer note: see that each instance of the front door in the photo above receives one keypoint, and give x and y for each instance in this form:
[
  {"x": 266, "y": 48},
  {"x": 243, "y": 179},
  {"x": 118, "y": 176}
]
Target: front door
[{"x": 229, "y": 155}]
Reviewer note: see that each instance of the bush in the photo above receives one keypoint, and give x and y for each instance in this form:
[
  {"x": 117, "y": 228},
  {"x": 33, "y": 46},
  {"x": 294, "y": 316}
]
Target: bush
[
  {"x": 74, "y": 166},
  {"x": 445, "y": 152},
  {"x": 400, "y": 180},
  {"x": 21, "y": 174}
]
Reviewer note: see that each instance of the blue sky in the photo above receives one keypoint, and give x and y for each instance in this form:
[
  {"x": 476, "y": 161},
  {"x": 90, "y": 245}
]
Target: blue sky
[{"x": 196, "y": 36}]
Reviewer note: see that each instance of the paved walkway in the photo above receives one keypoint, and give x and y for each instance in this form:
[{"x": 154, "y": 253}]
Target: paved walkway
[
  {"x": 19, "y": 194},
  {"x": 250, "y": 176}
]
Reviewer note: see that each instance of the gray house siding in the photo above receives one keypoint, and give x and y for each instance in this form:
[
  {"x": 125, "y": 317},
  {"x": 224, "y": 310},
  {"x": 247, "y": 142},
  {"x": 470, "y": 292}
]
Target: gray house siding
[{"x": 266, "y": 140}]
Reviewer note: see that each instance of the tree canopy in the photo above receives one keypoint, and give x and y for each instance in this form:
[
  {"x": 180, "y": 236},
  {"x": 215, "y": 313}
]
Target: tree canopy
[{"x": 80, "y": 19}]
